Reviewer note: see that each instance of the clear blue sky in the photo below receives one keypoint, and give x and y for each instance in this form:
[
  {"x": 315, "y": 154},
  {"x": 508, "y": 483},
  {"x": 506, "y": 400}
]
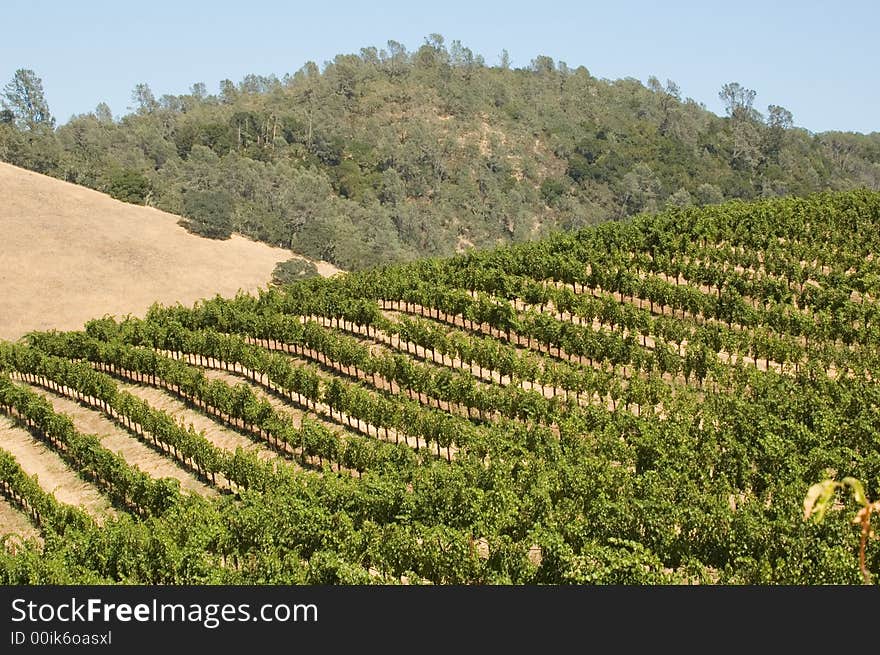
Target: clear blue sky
[{"x": 819, "y": 59}]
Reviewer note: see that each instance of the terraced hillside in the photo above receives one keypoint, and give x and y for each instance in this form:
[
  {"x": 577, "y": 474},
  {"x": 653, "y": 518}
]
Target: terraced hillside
[{"x": 642, "y": 402}]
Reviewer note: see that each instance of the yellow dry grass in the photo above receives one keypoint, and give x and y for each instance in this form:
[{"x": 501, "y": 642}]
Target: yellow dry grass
[{"x": 69, "y": 254}]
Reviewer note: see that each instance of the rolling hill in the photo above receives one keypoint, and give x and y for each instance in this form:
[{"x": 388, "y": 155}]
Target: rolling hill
[
  {"x": 641, "y": 402},
  {"x": 388, "y": 156},
  {"x": 68, "y": 254}
]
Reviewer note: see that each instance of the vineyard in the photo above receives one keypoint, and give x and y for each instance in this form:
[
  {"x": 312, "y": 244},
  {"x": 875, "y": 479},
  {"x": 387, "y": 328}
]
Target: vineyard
[{"x": 643, "y": 402}]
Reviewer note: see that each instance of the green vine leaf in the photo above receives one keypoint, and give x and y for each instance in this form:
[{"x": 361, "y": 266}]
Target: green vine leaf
[
  {"x": 818, "y": 499},
  {"x": 858, "y": 490}
]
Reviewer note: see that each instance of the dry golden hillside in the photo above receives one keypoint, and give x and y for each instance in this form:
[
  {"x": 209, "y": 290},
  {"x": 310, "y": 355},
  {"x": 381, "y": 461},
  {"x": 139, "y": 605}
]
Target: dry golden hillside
[{"x": 69, "y": 254}]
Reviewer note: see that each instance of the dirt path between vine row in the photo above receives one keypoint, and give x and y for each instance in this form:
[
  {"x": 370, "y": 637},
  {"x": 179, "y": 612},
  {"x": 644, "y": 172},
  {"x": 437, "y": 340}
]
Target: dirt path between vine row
[
  {"x": 319, "y": 411},
  {"x": 15, "y": 522},
  {"x": 216, "y": 433},
  {"x": 118, "y": 440},
  {"x": 70, "y": 254},
  {"x": 54, "y": 475},
  {"x": 288, "y": 409}
]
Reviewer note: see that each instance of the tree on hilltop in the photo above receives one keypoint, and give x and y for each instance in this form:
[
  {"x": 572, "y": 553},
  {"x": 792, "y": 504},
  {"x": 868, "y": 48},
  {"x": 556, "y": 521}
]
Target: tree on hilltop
[{"x": 23, "y": 96}]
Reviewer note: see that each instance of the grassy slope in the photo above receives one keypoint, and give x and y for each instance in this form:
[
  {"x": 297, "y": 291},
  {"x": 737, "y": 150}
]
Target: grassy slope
[{"x": 69, "y": 253}]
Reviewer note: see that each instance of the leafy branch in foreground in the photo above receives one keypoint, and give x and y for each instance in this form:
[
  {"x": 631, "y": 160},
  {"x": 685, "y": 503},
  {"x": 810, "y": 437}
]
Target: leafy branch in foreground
[{"x": 820, "y": 498}]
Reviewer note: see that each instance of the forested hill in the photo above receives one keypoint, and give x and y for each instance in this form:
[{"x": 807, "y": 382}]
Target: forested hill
[{"x": 388, "y": 154}]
